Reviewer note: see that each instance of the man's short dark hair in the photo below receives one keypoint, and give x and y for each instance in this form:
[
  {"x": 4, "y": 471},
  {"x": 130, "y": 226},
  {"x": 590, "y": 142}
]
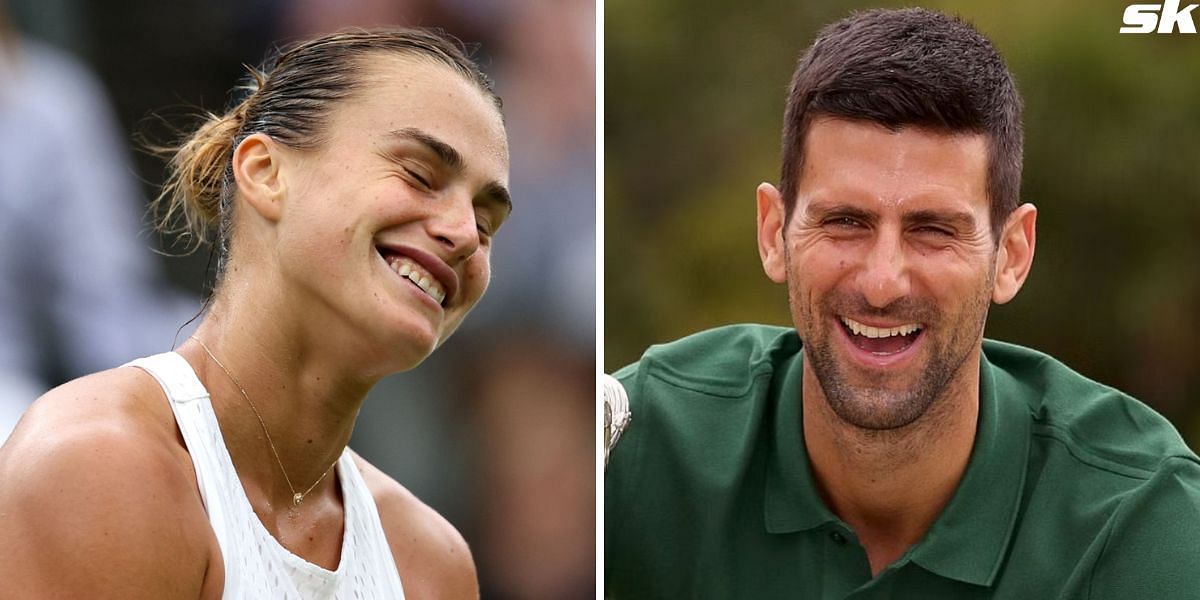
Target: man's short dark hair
[{"x": 911, "y": 67}]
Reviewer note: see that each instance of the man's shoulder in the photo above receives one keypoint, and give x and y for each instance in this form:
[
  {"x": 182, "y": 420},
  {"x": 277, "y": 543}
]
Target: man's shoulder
[
  {"x": 1096, "y": 426},
  {"x": 431, "y": 555},
  {"x": 698, "y": 408},
  {"x": 703, "y": 411},
  {"x": 722, "y": 361},
  {"x": 1150, "y": 546},
  {"x": 703, "y": 393}
]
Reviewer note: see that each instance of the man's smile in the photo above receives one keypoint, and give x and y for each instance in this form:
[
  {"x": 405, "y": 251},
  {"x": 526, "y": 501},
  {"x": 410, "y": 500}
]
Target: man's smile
[{"x": 879, "y": 345}]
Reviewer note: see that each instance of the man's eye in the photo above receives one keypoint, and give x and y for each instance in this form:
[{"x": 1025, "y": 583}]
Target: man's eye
[
  {"x": 843, "y": 223},
  {"x": 934, "y": 231}
]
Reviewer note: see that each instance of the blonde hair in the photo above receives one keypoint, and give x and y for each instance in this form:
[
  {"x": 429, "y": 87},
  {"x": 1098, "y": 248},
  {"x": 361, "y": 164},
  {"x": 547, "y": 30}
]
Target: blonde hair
[
  {"x": 190, "y": 203},
  {"x": 288, "y": 99}
]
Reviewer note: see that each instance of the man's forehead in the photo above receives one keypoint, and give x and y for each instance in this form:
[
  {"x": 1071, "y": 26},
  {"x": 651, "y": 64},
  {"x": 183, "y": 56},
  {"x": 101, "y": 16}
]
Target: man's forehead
[
  {"x": 894, "y": 167},
  {"x": 828, "y": 129}
]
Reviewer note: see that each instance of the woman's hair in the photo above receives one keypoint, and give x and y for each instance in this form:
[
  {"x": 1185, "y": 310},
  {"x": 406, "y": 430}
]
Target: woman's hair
[{"x": 288, "y": 99}]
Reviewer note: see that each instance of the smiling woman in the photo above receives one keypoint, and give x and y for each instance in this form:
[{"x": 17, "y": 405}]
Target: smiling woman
[{"x": 352, "y": 197}]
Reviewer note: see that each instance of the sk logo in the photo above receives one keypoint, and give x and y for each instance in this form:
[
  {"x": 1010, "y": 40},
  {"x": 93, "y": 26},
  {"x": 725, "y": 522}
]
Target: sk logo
[{"x": 1142, "y": 18}]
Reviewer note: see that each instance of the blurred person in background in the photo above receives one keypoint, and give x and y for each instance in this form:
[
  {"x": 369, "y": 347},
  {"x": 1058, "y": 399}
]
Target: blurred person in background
[
  {"x": 80, "y": 290},
  {"x": 354, "y": 191},
  {"x": 880, "y": 446},
  {"x": 540, "y": 481}
]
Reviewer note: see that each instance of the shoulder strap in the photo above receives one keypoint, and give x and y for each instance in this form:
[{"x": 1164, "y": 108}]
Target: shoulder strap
[
  {"x": 215, "y": 475},
  {"x": 365, "y": 528},
  {"x": 174, "y": 374}
]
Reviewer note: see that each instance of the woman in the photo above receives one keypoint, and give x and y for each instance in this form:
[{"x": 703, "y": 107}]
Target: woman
[{"x": 354, "y": 194}]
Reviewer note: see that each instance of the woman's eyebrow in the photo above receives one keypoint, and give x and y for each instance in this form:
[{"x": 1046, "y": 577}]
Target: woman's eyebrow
[
  {"x": 499, "y": 194},
  {"x": 444, "y": 152},
  {"x": 453, "y": 160}
]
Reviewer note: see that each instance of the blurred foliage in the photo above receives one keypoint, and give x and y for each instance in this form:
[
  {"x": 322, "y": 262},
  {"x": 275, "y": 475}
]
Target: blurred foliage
[{"x": 694, "y": 104}]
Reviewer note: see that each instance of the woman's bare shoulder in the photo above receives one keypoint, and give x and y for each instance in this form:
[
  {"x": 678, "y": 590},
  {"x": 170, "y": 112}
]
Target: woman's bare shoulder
[
  {"x": 114, "y": 405},
  {"x": 97, "y": 486},
  {"x": 122, "y": 396},
  {"x": 431, "y": 555}
]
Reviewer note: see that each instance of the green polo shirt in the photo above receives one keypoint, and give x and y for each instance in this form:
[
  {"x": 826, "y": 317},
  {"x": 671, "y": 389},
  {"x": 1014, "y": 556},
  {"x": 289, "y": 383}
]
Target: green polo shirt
[{"x": 1074, "y": 490}]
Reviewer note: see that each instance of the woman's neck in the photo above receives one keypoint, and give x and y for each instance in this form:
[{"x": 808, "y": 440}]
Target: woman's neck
[{"x": 273, "y": 369}]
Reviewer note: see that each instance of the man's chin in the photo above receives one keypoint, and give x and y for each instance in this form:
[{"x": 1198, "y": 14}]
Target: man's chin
[
  {"x": 878, "y": 409},
  {"x": 871, "y": 398}
]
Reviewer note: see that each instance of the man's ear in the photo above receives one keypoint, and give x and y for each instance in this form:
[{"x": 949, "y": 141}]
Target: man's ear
[
  {"x": 1015, "y": 257},
  {"x": 257, "y": 165},
  {"x": 770, "y": 232}
]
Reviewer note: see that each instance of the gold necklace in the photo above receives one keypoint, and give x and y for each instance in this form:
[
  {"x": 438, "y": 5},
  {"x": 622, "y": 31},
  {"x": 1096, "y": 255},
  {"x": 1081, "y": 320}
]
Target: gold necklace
[{"x": 297, "y": 497}]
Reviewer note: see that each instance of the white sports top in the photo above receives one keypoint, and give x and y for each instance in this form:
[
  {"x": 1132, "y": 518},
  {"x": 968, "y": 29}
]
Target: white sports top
[{"x": 257, "y": 566}]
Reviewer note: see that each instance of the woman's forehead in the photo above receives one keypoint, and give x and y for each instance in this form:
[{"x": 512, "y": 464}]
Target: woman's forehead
[{"x": 399, "y": 92}]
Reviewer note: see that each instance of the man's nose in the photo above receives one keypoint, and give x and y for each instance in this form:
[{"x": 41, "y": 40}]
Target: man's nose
[{"x": 884, "y": 277}]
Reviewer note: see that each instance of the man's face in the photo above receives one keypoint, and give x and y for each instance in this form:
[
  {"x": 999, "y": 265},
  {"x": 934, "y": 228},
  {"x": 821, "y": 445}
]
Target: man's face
[{"x": 890, "y": 265}]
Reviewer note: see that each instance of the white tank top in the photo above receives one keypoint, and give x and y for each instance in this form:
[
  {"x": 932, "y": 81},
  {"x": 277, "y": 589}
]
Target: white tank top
[{"x": 257, "y": 566}]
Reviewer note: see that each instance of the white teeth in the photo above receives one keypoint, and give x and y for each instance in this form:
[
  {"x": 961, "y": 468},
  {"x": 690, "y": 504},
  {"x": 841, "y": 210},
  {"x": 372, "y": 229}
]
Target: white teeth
[
  {"x": 876, "y": 332},
  {"x": 410, "y": 270}
]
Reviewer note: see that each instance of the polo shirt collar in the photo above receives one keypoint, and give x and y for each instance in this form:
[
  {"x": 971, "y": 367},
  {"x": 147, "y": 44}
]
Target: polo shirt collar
[
  {"x": 792, "y": 502},
  {"x": 969, "y": 540}
]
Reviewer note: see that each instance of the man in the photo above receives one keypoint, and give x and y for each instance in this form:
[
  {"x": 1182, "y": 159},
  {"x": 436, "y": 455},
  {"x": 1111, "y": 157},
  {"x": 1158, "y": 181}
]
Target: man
[{"x": 883, "y": 449}]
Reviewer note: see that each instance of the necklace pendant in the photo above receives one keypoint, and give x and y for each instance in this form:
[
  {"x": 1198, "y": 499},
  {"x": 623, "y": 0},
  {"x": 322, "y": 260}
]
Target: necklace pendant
[{"x": 297, "y": 499}]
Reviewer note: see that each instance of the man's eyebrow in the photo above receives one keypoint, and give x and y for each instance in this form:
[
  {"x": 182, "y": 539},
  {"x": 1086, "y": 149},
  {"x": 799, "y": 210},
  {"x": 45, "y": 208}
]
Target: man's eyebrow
[
  {"x": 445, "y": 152},
  {"x": 961, "y": 219},
  {"x": 955, "y": 218},
  {"x": 826, "y": 209}
]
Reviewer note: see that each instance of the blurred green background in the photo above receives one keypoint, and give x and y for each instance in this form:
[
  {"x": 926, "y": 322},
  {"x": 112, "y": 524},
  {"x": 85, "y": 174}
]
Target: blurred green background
[{"x": 694, "y": 96}]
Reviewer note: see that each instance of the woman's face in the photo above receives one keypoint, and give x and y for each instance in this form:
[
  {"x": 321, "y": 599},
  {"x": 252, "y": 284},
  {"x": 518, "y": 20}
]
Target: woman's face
[{"x": 386, "y": 228}]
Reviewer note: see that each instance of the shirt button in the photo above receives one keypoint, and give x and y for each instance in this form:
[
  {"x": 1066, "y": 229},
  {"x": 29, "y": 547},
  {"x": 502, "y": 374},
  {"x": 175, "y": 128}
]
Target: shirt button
[{"x": 837, "y": 537}]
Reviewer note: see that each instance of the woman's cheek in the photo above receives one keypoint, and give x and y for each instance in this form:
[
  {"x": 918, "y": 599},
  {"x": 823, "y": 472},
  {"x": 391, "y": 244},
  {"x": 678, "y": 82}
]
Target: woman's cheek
[{"x": 476, "y": 276}]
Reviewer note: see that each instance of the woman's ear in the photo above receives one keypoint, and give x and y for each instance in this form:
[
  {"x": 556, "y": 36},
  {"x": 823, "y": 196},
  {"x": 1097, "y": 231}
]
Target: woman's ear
[{"x": 257, "y": 163}]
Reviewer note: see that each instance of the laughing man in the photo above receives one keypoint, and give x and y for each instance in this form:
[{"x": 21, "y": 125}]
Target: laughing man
[{"x": 883, "y": 448}]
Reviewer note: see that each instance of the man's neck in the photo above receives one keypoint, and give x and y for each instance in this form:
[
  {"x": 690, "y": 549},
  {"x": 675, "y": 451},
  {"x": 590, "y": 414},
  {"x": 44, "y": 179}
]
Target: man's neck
[{"x": 891, "y": 485}]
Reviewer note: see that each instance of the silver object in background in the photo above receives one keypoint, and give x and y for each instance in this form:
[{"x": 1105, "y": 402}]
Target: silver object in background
[{"x": 616, "y": 412}]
